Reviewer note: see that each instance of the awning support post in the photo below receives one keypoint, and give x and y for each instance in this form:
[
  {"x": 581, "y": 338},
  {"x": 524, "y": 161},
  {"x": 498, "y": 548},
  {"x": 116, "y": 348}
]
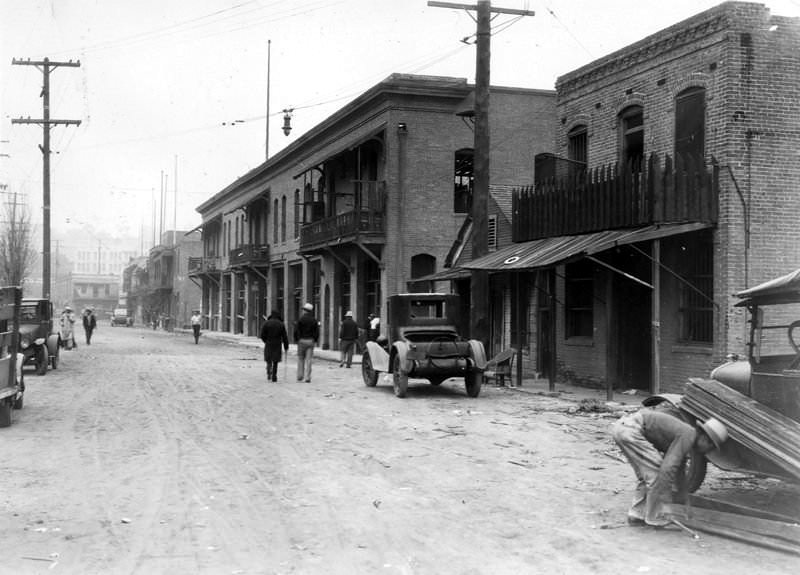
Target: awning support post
[{"x": 655, "y": 386}]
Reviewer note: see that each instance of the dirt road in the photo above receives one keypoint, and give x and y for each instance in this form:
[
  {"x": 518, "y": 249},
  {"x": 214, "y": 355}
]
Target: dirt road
[{"x": 145, "y": 454}]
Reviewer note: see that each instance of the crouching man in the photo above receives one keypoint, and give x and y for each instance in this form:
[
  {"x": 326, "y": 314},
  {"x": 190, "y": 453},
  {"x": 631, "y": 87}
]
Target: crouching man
[{"x": 656, "y": 444}]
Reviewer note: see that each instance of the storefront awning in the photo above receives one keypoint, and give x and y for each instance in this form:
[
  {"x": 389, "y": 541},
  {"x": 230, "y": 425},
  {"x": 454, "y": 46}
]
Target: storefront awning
[
  {"x": 444, "y": 275},
  {"x": 548, "y": 252}
]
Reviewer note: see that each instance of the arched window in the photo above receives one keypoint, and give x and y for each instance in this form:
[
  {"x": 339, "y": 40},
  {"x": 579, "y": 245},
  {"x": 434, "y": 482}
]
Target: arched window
[
  {"x": 275, "y": 216},
  {"x": 632, "y": 136},
  {"x": 422, "y": 265},
  {"x": 283, "y": 219},
  {"x": 463, "y": 173},
  {"x": 690, "y": 126}
]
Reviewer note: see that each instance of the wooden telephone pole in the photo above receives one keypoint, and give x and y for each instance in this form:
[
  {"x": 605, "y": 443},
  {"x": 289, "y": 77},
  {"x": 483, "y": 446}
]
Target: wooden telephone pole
[
  {"x": 479, "y": 283},
  {"x": 45, "y": 66}
]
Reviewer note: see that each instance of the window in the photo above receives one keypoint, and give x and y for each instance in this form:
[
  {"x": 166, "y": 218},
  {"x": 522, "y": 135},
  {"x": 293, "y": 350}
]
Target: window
[
  {"x": 372, "y": 285},
  {"x": 277, "y": 290},
  {"x": 579, "y": 299},
  {"x": 422, "y": 265},
  {"x": 695, "y": 264},
  {"x": 236, "y": 232},
  {"x": 464, "y": 180},
  {"x": 275, "y": 216},
  {"x": 521, "y": 283},
  {"x": 632, "y": 125},
  {"x": 297, "y": 214},
  {"x": 577, "y": 143},
  {"x": 690, "y": 112},
  {"x": 283, "y": 219}
]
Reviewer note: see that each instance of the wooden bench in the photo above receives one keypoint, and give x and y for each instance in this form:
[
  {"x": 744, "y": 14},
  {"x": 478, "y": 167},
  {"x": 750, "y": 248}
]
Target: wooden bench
[{"x": 499, "y": 367}]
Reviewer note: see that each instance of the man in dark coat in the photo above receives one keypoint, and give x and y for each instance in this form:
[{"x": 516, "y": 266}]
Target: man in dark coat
[
  {"x": 348, "y": 334},
  {"x": 306, "y": 334},
  {"x": 273, "y": 334},
  {"x": 89, "y": 324}
]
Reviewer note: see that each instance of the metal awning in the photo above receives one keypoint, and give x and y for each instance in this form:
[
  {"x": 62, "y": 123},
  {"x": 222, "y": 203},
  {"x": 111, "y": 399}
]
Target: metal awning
[
  {"x": 548, "y": 252},
  {"x": 784, "y": 289},
  {"x": 444, "y": 275}
]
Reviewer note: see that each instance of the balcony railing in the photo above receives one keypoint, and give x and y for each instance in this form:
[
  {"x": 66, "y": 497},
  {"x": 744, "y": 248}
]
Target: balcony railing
[
  {"x": 366, "y": 217},
  {"x": 199, "y": 265},
  {"x": 249, "y": 254},
  {"x": 606, "y": 198}
]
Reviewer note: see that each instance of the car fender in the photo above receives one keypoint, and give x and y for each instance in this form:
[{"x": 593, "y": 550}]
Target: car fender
[
  {"x": 478, "y": 354},
  {"x": 400, "y": 350},
  {"x": 52, "y": 343},
  {"x": 378, "y": 356}
]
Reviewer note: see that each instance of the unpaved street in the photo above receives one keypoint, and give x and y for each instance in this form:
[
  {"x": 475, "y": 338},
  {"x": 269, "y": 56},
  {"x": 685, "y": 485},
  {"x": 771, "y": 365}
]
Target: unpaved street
[{"x": 145, "y": 454}]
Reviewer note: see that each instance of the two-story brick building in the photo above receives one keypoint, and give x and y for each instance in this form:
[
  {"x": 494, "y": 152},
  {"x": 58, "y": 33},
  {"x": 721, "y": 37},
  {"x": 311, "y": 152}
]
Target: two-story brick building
[
  {"x": 362, "y": 205},
  {"x": 674, "y": 184}
]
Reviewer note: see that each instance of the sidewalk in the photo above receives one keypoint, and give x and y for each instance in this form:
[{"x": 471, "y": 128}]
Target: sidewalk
[{"x": 529, "y": 385}]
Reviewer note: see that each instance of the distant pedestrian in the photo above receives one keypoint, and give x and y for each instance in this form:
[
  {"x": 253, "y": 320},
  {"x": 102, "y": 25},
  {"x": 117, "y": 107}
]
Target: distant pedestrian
[
  {"x": 89, "y": 324},
  {"x": 306, "y": 334},
  {"x": 348, "y": 334},
  {"x": 273, "y": 334},
  {"x": 196, "y": 319},
  {"x": 67, "y": 328}
]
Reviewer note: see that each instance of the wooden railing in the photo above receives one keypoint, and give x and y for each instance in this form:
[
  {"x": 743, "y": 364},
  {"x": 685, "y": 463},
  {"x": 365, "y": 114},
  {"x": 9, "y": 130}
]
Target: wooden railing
[
  {"x": 366, "y": 217},
  {"x": 612, "y": 197},
  {"x": 198, "y": 265},
  {"x": 251, "y": 254}
]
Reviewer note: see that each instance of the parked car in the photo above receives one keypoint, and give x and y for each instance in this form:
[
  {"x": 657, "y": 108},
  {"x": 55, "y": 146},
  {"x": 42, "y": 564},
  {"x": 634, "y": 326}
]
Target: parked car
[
  {"x": 120, "y": 317},
  {"x": 38, "y": 341},
  {"x": 12, "y": 382},
  {"x": 424, "y": 341}
]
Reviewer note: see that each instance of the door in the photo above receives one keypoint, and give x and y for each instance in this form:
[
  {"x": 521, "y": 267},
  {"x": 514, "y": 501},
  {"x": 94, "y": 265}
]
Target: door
[{"x": 545, "y": 324}]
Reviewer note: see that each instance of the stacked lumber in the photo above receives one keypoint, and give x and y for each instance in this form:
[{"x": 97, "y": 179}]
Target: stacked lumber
[
  {"x": 739, "y": 523},
  {"x": 764, "y": 431}
]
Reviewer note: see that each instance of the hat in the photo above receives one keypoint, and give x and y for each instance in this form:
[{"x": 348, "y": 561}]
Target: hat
[
  {"x": 67, "y": 308},
  {"x": 308, "y": 307},
  {"x": 348, "y": 314},
  {"x": 715, "y": 430}
]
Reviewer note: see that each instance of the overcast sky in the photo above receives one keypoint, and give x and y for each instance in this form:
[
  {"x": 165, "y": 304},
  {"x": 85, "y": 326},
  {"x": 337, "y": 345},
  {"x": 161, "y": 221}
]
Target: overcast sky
[{"x": 184, "y": 82}]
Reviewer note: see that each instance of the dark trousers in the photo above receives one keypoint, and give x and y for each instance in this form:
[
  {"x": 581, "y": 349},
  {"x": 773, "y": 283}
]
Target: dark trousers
[
  {"x": 89, "y": 336},
  {"x": 196, "y": 330}
]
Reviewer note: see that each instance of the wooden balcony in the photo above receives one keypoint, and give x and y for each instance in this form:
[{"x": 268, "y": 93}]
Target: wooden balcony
[
  {"x": 365, "y": 221},
  {"x": 203, "y": 265},
  {"x": 610, "y": 197},
  {"x": 249, "y": 255}
]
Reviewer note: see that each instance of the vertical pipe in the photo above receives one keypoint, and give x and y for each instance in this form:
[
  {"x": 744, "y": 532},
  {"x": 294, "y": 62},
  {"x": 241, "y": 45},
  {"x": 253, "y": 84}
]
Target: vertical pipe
[
  {"x": 655, "y": 386},
  {"x": 269, "y": 49}
]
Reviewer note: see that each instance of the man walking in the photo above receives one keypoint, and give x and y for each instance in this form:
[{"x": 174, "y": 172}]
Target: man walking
[
  {"x": 656, "y": 444},
  {"x": 196, "y": 319},
  {"x": 273, "y": 334},
  {"x": 89, "y": 324},
  {"x": 306, "y": 335},
  {"x": 348, "y": 334}
]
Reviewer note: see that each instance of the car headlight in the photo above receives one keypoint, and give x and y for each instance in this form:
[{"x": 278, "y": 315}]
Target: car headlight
[
  {"x": 25, "y": 343},
  {"x": 39, "y": 341}
]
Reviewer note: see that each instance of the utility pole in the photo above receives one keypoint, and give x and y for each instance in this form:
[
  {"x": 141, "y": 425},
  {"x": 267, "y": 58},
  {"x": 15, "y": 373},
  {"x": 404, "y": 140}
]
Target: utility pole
[
  {"x": 269, "y": 49},
  {"x": 479, "y": 282},
  {"x": 45, "y": 66}
]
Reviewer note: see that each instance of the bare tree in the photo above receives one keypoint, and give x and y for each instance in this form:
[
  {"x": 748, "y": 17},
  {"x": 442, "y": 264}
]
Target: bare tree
[{"x": 17, "y": 255}]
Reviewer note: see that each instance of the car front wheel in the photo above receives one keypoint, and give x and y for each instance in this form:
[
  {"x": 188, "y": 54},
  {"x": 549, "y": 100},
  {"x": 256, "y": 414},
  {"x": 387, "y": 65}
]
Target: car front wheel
[
  {"x": 42, "y": 359},
  {"x": 368, "y": 371}
]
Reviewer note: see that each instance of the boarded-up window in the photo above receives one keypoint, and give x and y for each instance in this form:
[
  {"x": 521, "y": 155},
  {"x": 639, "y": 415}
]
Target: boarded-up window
[{"x": 690, "y": 126}]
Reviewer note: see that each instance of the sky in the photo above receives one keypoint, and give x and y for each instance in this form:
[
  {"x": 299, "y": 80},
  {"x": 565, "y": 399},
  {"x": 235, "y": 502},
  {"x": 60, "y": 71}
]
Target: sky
[{"x": 172, "y": 94}]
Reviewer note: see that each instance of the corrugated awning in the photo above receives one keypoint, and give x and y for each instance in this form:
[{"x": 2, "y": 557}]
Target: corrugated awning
[
  {"x": 444, "y": 275},
  {"x": 548, "y": 252}
]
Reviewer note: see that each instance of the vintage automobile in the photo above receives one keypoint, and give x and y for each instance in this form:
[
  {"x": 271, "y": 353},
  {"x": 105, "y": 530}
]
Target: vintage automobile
[
  {"x": 12, "y": 382},
  {"x": 757, "y": 397},
  {"x": 38, "y": 342},
  {"x": 424, "y": 341},
  {"x": 120, "y": 317}
]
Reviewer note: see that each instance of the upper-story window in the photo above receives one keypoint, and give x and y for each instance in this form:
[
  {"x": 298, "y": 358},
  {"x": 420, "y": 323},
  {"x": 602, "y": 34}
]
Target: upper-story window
[
  {"x": 297, "y": 212},
  {"x": 577, "y": 144},
  {"x": 690, "y": 125},
  {"x": 464, "y": 174},
  {"x": 632, "y": 132},
  {"x": 283, "y": 219},
  {"x": 275, "y": 217}
]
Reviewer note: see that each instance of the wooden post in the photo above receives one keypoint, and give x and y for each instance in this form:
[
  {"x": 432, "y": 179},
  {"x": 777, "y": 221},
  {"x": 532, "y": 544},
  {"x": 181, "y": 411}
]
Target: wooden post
[{"x": 655, "y": 386}]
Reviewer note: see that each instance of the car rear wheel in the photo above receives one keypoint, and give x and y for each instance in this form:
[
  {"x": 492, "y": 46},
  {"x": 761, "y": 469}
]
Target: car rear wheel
[
  {"x": 473, "y": 381},
  {"x": 5, "y": 413},
  {"x": 42, "y": 359},
  {"x": 367, "y": 371},
  {"x": 400, "y": 379},
  {"x": 18, "y": 402}
]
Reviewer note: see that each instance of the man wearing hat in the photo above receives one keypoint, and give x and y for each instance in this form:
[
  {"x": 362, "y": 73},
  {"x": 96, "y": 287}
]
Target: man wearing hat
[
  {"x": 197, "y": 319},
  {"x": 89, "y": 324},
  {"x": 656, "y": 444},
  {"x": 306, "y": 335},
  {"x": 348, "y": 334}
]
